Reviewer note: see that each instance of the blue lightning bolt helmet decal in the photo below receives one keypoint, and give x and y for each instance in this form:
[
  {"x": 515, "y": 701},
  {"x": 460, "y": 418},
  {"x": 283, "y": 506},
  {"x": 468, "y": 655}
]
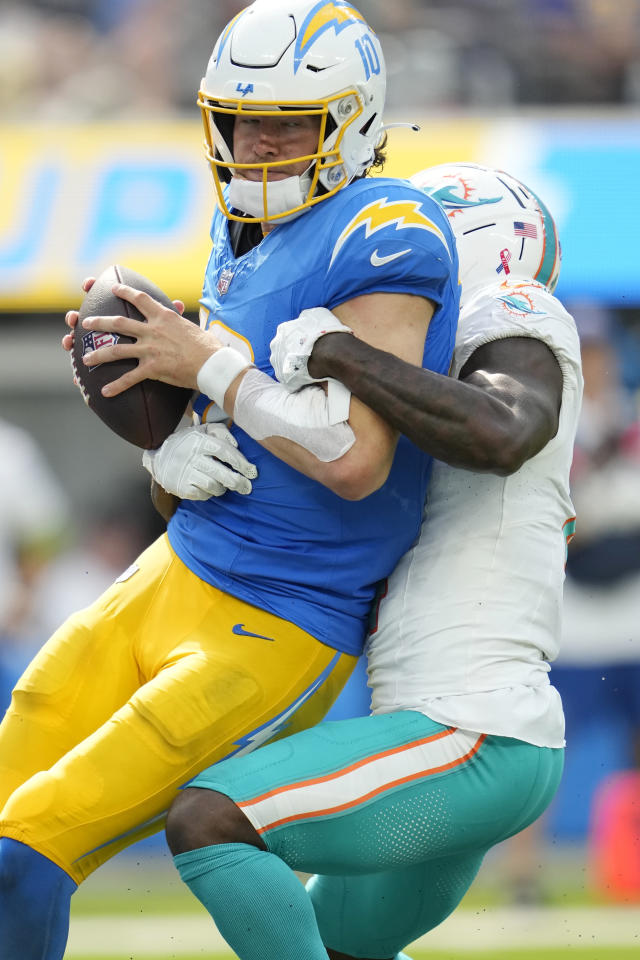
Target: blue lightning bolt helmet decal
[
  {"x": 322, "y": 17},
  {"x": 226, "y": 33}
]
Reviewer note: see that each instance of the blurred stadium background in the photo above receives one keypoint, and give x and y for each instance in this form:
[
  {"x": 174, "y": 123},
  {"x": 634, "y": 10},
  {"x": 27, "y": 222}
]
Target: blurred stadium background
[{"x": 101, "y": 162}]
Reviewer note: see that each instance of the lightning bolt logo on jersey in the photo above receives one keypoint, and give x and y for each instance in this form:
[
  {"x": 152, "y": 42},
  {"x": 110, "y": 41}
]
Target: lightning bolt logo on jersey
[
  {"x": 293, "y": 547},
  {"x": 384, "y": 214}
]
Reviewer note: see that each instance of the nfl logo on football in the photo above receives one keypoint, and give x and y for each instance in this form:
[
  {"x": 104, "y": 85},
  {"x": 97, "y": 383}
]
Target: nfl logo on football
[
  {"x": 224, "y": 281},
  {"x": 95, "y": 340}
]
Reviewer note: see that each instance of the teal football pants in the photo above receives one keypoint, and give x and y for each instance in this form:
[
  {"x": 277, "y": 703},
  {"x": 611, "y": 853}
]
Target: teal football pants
[{"x": 393, "y": 813}]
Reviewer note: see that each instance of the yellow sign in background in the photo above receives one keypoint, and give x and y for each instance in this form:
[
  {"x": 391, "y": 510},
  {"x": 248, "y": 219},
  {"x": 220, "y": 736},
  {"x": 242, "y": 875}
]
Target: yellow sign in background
[{"x": 75, "y": 199}]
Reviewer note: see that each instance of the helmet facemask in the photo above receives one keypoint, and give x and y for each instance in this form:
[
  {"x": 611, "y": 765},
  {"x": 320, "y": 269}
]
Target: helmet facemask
[{"x": 264, "y": 200}]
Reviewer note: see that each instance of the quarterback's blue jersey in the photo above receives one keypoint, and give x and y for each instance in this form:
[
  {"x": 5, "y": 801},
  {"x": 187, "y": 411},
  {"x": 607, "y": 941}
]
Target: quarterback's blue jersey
[{"x": 293, "y": 547}]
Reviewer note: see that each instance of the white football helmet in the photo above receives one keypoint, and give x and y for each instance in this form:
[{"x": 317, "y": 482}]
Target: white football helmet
[
  {"x": 502, "y": 228},
  {"x": 290, "y": 57}
]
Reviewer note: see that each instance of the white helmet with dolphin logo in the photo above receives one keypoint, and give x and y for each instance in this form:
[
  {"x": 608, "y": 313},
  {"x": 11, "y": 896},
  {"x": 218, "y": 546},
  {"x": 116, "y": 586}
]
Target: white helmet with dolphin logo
[{"x": 500, "y": 225}]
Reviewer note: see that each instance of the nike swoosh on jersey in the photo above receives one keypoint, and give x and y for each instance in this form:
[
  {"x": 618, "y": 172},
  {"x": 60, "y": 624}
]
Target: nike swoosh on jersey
[
  {"x": 238, "y": 629},
  {"x": 377, "y": 261}
]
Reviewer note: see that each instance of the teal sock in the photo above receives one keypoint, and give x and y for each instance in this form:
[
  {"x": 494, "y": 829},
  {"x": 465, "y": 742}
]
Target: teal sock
[{"x": 258, "y": 904}]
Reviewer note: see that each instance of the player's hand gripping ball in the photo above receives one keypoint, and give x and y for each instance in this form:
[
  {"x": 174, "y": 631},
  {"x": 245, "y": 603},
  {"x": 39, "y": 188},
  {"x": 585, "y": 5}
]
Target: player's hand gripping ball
[{"x": 147, "y": 412}]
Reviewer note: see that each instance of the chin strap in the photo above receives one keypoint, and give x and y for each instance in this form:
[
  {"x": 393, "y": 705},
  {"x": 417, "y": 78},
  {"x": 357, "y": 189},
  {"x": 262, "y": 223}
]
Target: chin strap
[{"x": 282, "y": 196}]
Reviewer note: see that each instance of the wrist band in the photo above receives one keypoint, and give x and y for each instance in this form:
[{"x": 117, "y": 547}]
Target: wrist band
[{"x": 216, "y": 374}]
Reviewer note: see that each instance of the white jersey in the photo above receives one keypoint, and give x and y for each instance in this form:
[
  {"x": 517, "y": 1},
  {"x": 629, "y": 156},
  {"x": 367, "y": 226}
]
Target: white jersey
[{"x": 472, "y": 613}]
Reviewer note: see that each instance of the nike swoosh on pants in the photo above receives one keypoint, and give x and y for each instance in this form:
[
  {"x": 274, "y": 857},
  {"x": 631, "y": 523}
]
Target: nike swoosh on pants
[{"x": 238, "y": 629}]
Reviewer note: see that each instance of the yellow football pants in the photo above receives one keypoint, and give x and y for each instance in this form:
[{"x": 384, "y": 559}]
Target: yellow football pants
[{"x": 161, "y": 677}]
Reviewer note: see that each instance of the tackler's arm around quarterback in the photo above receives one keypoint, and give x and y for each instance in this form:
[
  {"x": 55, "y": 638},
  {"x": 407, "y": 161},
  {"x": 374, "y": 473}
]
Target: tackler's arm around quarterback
[
  {"x": 308, "y": 428},
  {"x": 502, "y": 409},
  {"x": 294, "y": 342},
  {"x": 352, "y": 457}
]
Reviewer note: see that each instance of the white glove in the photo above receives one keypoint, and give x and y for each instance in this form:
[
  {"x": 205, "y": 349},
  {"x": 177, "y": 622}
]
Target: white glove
[
  {"x": 294, "y": 340},
  {"x": 191, "y": 463}
]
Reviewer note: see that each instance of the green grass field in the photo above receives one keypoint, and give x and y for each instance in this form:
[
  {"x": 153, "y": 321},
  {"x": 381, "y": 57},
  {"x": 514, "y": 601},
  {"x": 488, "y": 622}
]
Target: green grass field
[
  {"x": 138, "y": 909},
  {"x": 585, "y": 953}
]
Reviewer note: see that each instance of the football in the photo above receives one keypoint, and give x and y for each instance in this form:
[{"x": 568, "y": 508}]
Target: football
[{"x": 147, "y": 412}]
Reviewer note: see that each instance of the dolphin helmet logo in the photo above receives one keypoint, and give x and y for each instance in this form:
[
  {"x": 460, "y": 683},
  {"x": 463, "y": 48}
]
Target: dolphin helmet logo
[
  {"x": 521, "y": 304},
  {"x": 450, "y": 200}
]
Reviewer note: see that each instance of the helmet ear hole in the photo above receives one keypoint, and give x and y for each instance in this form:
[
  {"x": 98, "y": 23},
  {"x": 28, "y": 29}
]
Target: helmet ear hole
[
  {"x": 330, "y": 127},
  {"x": 364, "y": 129}
]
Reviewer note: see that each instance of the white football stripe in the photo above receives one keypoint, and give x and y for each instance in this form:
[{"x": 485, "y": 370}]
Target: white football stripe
[{"x": 329, "y": 793}]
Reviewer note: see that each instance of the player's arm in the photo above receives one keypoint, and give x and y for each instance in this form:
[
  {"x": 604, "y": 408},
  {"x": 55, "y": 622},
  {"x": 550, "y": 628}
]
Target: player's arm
[
  {"x": 501, "y": 411},
  {"x": 173, "y": 350},
  {"x": 396, "y": 323}
]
